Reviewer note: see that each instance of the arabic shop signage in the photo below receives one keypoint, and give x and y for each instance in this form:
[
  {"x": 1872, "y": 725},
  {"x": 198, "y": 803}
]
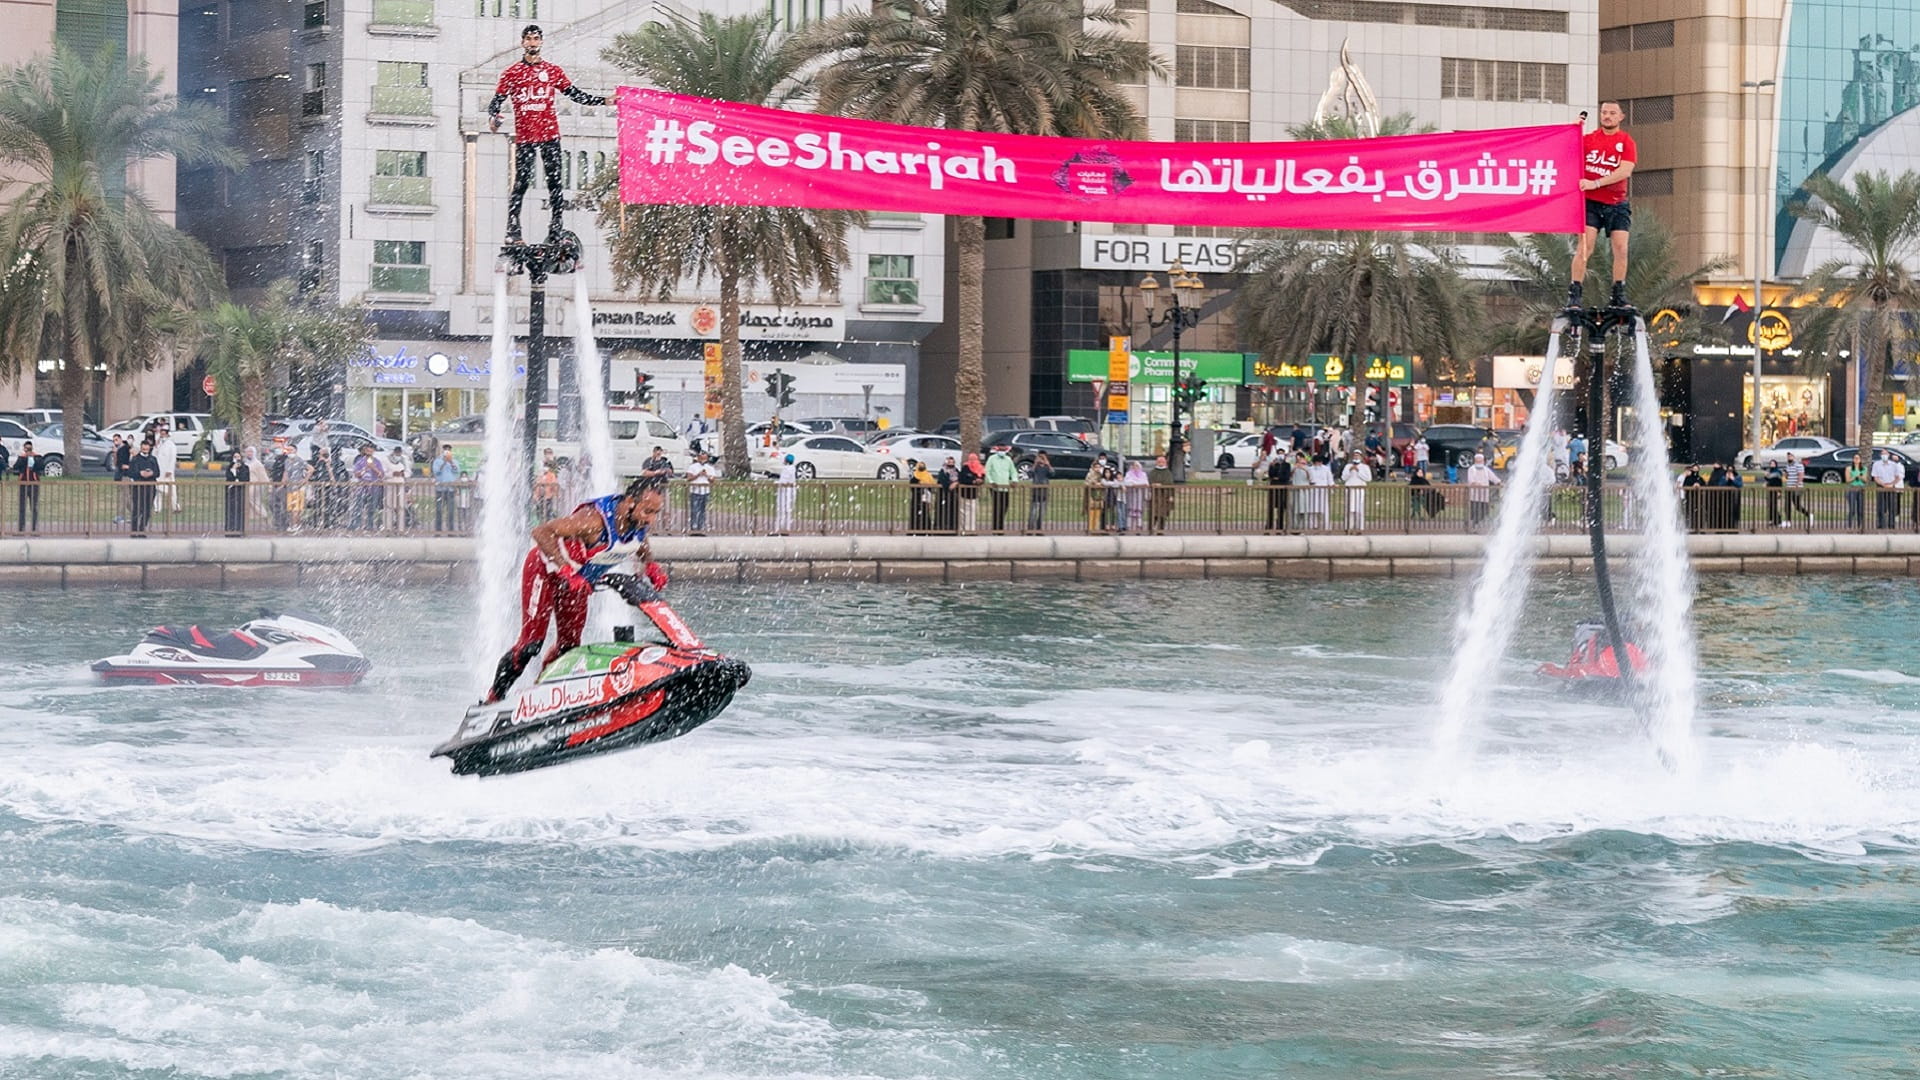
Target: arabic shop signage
[
  {"x": 473, "y": 317},
  {"x": 426, "y": 364},
  {"x": 1092, "y": 365},
  {"x": 1323, "y": 368}
]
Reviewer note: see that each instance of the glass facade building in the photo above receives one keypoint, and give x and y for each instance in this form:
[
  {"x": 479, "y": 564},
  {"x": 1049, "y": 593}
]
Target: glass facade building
[{"x": 1851, "y": 67}]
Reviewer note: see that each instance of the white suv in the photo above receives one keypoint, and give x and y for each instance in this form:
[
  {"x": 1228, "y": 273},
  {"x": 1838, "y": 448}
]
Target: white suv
[
  {"x": 187, "y": 428},
  {"x": 1801, "y": 447}
]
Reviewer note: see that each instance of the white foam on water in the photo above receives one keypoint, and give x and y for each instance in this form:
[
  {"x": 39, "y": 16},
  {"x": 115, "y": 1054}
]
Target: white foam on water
[
  {"x": 1122, "y": 773},
  {"x": 502, "y": 522},
  {"x": 1882, "y": 676},
  {"x": 1662, "y": 578},
  {"x": 311, "y": 989},
  {"x": 1492, "y": 609},
  {"x": 604, "y": 609}
]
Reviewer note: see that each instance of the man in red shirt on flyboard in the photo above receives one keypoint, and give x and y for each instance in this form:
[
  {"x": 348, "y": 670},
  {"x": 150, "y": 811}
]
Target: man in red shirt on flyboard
[
  {"x": 531, "y": 84},
  {"x": 1609, "y": 158}
]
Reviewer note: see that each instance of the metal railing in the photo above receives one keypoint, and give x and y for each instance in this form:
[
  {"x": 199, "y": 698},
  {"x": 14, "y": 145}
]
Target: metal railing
[{"x": 419, "y": 507}]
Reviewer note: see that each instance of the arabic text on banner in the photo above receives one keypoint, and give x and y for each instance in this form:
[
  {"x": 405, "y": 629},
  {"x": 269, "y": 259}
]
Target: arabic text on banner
[{"x": 676, "y": 149}]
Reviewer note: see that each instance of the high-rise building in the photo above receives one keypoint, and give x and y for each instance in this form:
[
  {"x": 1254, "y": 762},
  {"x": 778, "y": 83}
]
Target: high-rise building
[
  {"x": 1250, "y": 70},
  {"x": 372, "y": 175},
  {"x": 140, "y": 27},
  {"x": 1722, "y": 156}
]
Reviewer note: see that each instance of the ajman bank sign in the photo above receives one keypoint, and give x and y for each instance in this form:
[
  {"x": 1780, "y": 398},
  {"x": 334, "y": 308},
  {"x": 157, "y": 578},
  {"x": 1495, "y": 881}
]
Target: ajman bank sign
[{"x": 696, "y": 322}]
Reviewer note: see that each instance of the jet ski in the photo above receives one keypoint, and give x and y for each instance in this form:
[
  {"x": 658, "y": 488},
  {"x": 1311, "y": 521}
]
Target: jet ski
[
  {"x": 1592, "y": 667},
  {"x": 284, "y": 649},
  {"x": 601, "y": 696}
]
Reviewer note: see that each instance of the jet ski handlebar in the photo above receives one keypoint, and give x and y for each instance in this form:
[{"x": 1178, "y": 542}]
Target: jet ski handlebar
[{"x": 632, "y": 588}]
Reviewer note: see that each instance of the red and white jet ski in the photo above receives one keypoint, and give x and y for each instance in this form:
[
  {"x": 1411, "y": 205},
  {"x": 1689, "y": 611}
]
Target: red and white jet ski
[
  {"x": 285, "y": 649},
  {"x": 1592, "y": 667}
]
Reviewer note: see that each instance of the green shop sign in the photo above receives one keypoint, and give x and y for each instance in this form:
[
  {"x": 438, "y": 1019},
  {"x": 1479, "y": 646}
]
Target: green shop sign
[
  {"x": 1323, "y": 368},
  {"x": 1088, "y": 365}
]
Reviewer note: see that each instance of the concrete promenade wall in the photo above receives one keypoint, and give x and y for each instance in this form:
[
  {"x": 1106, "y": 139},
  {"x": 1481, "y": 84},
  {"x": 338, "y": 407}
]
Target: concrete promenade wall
[{"x": 218, "y": 563}]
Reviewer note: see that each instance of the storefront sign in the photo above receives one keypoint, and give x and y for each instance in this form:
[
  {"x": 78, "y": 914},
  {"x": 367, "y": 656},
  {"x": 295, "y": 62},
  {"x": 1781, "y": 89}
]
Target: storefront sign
[
  {"x": 1158, "y": 253},
  {"x": 1775, "y": 330},
  {"x": 473, "y": 316},
  {"x": 698, "y": 151},
  {"x": 1086, "y": 365},
  {"x": 715, "y": 357},
  {"x": 1523, "y": 372},
  {"x": 427, "y": 365},
  {"x": 1326, "y": 368}
]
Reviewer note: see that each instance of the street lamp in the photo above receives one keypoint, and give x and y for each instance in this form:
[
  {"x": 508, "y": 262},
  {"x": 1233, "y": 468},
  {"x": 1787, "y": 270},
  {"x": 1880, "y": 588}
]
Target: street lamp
[
  {"x": 1759, "y": 249},
  {"x": 1180, "y": 317}
]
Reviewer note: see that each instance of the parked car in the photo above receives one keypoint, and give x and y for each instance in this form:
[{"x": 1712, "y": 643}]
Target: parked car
[
  {"x": 51, "y": 441},
  {"x": 1801, "y": 447},
  {"x": 1831, "y": 467},
  {"x": 840, "y": 425},
  {"x": 990, "y": 422},
  {"x": 875, "y": 438},
  {"x": 1455, "y": 444},
  {"x": 635, "y": 433},
  {"x": 1398, "y": 435},
  {"x": 1072, "y": 425},
  {"x": 932, "y": 449},
  {"x": 12, "y": 434},
  {"x": 32, "y": 419},
  {"x": 1070, "y": 457},
  {"x": 1239, "y": 449},
  {"x": 186, "y": 431},
  {"x": 297, "y": 431},
  {"x": 756, "y": 431},
  {"x": 466, "y": 434},
  {"x": 832, "y": 456}
]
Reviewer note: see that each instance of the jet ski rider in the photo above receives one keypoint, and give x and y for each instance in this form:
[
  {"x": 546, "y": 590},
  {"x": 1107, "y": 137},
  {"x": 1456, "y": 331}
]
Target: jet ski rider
[{"x": 572, "y": 555}]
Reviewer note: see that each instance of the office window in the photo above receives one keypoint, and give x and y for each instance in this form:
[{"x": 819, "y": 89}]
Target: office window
[
  {"x": 1464, "y": 16},
  {"x": 1211, "y": 131},
  {"x": 1212, "y": 67},
  {"x": 399, "y": 266},
  {"x": 400, "y": 89},
  {"x": 1502, "y": 80},
  {"x": 313, "y": 175},
  {"x": 400, "y": 178},
  {"x": 316, "y": 15},
  {"x": 890, "y": 280},
  {"x": 403, "y": 12},
  {"x": 313, "y": 102}
]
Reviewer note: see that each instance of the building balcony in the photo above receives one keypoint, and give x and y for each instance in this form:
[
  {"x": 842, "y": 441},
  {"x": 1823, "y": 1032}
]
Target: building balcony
[
  {"x": 410, "y": 280},
  {"x": 402, "y": 103},
  {"x": 412, "y": 192},
  {"x": 403, "y": 18}
]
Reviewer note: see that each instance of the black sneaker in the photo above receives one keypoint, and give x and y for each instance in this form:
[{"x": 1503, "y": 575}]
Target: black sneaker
[
  {"x": 1573, "y": 294},
  {"x": 1619, "y": 297},
  {"x": 513, "y": 233}
]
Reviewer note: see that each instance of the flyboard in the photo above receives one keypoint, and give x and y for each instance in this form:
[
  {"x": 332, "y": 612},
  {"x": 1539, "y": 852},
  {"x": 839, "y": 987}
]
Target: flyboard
[{"x": 1604, "y": 335}]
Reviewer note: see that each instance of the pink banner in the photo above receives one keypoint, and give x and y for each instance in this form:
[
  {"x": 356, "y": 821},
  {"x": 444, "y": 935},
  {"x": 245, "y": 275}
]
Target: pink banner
[{"x": 676, "y": 149}]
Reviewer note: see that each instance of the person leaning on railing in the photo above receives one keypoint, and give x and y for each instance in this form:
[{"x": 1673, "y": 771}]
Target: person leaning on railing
[
  {"x": 1039, "y": 488},
  {"x": 1160, "y": 501},
  {"x": 446, "y": 490}
]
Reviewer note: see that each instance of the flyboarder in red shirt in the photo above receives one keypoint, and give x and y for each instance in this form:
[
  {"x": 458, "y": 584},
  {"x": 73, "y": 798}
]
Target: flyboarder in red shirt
[
  {"x": 1609, "y": 159},
  {"x": 531, "y": 84}
]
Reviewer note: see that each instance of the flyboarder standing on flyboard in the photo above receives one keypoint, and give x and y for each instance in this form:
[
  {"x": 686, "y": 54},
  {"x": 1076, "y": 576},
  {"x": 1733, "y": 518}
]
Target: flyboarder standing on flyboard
[
  {"x": 531, "y": 84},
  {"x": 1609, "y": 156}
]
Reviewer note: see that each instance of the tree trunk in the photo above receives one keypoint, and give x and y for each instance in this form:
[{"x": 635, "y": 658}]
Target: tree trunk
[
  {"x": 1872, "y": 353},
  {"x": 733, "y": 407},
  {"x": 253, "y": 414},
  {"x": 970, "y": 378},
  {"x": 76, "y": 368}
]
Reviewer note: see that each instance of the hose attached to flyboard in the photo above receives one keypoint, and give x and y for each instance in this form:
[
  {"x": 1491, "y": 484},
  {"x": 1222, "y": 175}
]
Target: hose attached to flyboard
[{"x": 1596, "y": 495}]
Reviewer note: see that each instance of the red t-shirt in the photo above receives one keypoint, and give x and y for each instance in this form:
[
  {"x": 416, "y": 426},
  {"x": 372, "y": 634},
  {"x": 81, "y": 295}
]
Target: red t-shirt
[
  {"x": 531, "y": 88},
  {"x": 1604, "y": 154}
]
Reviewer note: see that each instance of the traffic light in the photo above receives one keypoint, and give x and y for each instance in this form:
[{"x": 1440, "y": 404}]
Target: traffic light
[
  {"x": 780, "y": 388},
  {"x": 642, "y": 388},
  {"x": 1189, "y": 391}
]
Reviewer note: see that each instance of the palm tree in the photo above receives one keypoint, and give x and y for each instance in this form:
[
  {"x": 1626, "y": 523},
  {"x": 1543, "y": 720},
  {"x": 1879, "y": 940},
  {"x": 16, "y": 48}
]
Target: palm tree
[
  {"x": 250, "y": 350},
  {"x": 95, "y": 278},
  {"x": 783, "y": 249},
  {"x": 1343, "y": 127},
  {"x": 1539, "y": 265},
  {"x": 1355, "y": 294},
  {"x": 1868, "y": 304},
  {"x": 1025, "y": 67}
]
